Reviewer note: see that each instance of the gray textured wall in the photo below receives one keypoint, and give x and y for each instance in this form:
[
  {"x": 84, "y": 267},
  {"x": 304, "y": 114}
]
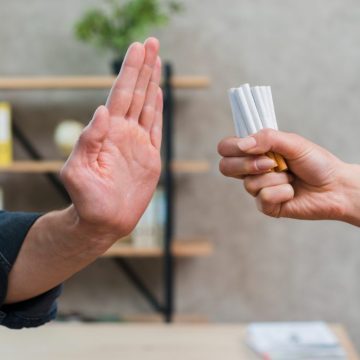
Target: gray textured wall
[{"x": 262, "y": 269}]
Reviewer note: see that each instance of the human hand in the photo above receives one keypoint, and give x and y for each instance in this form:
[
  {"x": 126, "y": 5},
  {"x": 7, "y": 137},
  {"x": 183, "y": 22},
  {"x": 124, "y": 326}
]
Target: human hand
[
  {"x": 318, "y": 186},
  {"x": 113, "y": 171}
]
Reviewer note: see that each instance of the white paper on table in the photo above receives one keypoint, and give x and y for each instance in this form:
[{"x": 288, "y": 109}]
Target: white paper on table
[{"x": 294, "y": 340}]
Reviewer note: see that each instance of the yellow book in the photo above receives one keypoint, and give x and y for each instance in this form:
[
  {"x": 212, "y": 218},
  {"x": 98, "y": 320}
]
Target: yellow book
[{"x": 6, "y": 155}]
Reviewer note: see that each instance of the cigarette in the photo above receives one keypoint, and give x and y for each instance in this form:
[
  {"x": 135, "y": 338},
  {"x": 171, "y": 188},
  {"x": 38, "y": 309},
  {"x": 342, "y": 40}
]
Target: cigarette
[
  {"x": 272, "y": 108},
  {"x": 240, "y": 128},
  {"x": 253, "y": 109},
  {"x": 266, "y": 92},
  {"x": 267, "y": 95},
  {"x": 245, "y": 111},
  {"x": 261, "y": 106}
]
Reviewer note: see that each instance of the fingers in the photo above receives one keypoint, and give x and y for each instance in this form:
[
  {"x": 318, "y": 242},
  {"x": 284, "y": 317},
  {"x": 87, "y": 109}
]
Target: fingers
[
  {"x": 270, "y": 199},
  {"x": 243, "y": 166},
  {"x": 228, "y": 147},
  {"x": 291, "y": 146},
  {"x": 121, "y": 94},
  {"x": 146, "y": 74},
  {"x": 148, "y": 112},
  {"x": 254, "y": 184},
  {"x": 156, "y": 130}
]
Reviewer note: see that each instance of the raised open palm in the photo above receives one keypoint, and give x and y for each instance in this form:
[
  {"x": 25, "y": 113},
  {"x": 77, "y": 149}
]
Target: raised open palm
[{"x": 115, "y": 167}]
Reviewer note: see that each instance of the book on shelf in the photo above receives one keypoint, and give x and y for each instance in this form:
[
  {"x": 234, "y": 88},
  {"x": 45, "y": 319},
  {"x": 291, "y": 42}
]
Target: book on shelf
[
  {"x": 1, "y": 199},
  {"x": 150, "y": 230},
  {"x": 5, "y": 134}
]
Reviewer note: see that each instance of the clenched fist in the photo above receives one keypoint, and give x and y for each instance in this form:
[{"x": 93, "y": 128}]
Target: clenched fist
[{"x": 317, "y": 186}]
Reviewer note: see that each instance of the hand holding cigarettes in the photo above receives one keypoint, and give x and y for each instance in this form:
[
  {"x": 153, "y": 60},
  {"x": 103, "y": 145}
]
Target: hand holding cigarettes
[{"x": 320, "y": 185}]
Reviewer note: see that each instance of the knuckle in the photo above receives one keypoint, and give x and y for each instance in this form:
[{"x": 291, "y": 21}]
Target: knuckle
[
  {"x": 267, "y": 134},
  {"x": 250, "y": 185},
  {"x": 139, "y": 93},
  {"x": 148, "y": 110},
  {"x": 83, "y": 138},
  {"x": 224, "y": 145},
  {"x": 265, "y": 208},
  {"x": 220, "y": 147},
  {"x": 250, "y": 166},
  {"x": 266, "y": 196},
  {"x": 66, "y": 174},
  {"x": 223, "y": 166}
]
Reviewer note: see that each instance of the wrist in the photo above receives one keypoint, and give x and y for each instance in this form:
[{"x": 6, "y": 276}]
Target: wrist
[
  {"x": 77, "y": 239},
  {"x": 350, "y": 191}
]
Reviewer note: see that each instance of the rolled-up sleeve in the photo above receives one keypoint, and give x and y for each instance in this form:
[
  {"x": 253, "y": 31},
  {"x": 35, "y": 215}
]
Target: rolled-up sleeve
[{"x": 34, "y": 312}]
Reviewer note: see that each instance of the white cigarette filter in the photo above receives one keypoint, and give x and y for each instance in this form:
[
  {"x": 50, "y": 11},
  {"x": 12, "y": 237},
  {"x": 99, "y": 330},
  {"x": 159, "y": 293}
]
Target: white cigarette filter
[{"x": 253, "y": 110}]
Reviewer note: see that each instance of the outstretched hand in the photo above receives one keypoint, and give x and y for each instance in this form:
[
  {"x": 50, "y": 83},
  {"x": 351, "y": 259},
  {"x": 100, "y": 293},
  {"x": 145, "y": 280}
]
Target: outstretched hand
[
  {"x": 115, "y": 167},
  {"x": 318, "y": 185}
]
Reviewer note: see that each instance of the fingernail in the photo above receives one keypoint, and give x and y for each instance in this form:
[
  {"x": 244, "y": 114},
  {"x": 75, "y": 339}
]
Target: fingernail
[
  {"x": 246, "y": 143},
  {"x": 265, "y": 164}
]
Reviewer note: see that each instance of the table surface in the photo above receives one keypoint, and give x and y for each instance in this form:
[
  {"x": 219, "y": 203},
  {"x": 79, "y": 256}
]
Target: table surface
[{"x": 134, "y": 342}]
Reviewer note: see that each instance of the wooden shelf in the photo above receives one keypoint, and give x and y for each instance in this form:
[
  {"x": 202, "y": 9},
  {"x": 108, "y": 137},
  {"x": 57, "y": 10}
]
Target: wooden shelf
[
  {"x": 88, "y": 82},
  {"x": 181, "y": 248},
  {"x": 178, "y": 166},
  {"x": 158, "y": 319},
  {"x": 32, "y": 167}
]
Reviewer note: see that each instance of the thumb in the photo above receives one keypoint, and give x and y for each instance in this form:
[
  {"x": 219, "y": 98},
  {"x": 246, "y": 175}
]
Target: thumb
[
  {"x": 291, "y": 146},
  {"x": 95, "y": 132}
]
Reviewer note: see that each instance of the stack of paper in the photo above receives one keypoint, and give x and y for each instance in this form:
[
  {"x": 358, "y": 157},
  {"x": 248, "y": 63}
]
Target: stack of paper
[
  {"x": 294, "y": 341},
  {"x": 253, "y": 110},
  {"x": 149, "y": 232}
]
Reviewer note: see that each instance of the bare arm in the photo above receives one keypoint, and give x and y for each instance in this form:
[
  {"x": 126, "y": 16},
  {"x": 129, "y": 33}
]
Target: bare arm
[
  {"x": 318, "y": 186},
  {"x": 111, "y": 176}
]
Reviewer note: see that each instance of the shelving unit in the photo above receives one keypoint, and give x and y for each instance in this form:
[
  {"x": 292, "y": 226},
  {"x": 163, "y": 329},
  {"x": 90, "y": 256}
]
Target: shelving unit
[{"x": 173, "y": 248}]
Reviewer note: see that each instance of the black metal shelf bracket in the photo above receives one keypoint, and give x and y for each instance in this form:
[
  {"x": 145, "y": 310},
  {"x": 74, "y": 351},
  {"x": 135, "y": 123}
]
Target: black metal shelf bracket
[{"x": 167, "y": 309}]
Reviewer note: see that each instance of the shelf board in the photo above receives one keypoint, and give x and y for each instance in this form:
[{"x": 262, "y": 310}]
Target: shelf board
[
  {"x": 178, "y": 166},
  {"x": 156, "y": 318},
  {"x": 196, "y": 247},
  {"x": 88, "y": 82},
  {"x": 32, "y": 167}
]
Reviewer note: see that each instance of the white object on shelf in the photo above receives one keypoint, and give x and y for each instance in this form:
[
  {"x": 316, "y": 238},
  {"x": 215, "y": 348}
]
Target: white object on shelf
[{"x": 66, "y": 135}]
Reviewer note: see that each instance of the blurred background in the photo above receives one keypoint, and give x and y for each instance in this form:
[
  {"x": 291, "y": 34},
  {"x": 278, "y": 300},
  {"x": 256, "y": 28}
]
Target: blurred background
[{"x": 261, "y": 269}]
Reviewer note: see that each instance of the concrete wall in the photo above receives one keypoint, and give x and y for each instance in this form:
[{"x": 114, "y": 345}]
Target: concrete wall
[{"x": 262, "y": 269}]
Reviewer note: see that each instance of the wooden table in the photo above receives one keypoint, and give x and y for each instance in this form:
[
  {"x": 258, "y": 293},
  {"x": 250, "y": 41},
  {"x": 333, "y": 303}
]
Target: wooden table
[{"x": 134, "y": 342}]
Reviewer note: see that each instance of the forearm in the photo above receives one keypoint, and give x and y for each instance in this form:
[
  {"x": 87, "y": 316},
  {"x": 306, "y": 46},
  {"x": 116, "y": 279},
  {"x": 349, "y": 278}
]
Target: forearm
[{"x": 56, "y": 247}]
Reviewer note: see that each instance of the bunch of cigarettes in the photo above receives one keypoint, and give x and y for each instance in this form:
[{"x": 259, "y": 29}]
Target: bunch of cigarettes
[{"x": 253, "y": 110}]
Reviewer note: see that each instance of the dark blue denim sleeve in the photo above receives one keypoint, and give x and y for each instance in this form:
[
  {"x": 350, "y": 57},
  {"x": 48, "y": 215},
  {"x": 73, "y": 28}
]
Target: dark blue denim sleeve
[{"x": 34, "y": 312}]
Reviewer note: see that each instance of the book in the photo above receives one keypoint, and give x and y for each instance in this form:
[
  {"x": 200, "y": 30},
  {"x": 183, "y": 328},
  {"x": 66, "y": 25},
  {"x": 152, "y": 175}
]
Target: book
[
  {"x": 6, "y": 153},
  {"x": 294, "y": 341},
  {"x": 1, "y": 199},
  {"x": 149, "y": 232}
]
